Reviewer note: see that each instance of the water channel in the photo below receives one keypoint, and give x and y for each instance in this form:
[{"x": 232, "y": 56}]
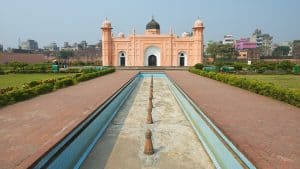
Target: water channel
[
  {"x": 175, "y": 143},
  {"x": 113, "y": 137}
]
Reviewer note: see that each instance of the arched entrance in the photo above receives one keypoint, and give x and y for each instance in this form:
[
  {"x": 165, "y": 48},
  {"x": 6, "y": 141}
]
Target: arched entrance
[
  {"x": 152, "y": 56},
  {"x": 182, "y": 59},
  {"x": 152, "y": 60},
  {"x": 122, "y": 59}
]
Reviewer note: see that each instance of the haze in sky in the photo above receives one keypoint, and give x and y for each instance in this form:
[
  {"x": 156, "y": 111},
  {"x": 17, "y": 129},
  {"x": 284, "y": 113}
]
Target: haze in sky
[{"x": 71, "y": 21}]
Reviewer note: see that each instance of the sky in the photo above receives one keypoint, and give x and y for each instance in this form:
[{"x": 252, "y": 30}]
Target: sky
[{"x": 72, "y": 21}]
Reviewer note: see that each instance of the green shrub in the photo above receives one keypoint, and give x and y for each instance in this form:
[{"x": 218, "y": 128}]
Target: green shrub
[
  {"x": 19, "y": 67},
  {"x": 21, "y": 94},
  {"x": 239, "y": 66},
  {"x": 74, "y": 70},
  {"x": 81, "y": 78},
  {"x": 199, "y": 66},
  {"x": 43, "y": 88},
  {"x": 259, "y": 87},
  {"x": 285, "y": 65},
  {"x": 63, "y": 83},
  {"x": 51, "y": 81},
  {"x": 261, "y": 70},
  {"x": 4, "y": 100},
  {"x": 16, "y": 65},
  {"x": 5, "y": 90},
  {"x": 11, "y": 95},
  {"x": 88, "y": 70},
  {"x": 77, "y": 75},
  {"x": 2, "y": 72},
  {"x": 32, "y": 84}
]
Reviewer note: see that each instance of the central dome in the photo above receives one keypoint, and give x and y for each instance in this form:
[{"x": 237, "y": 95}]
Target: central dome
[{"x": 153, "y": 24}]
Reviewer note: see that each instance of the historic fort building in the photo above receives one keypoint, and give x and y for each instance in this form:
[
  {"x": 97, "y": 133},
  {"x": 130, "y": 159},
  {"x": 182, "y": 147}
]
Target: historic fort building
[{"x": 152, "y": 48}]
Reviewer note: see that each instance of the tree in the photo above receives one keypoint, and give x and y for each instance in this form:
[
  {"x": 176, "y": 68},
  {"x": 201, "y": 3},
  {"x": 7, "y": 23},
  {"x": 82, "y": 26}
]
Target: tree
[
  {"x": 226, "y": 51},
  {"x": 65, "y": 55},
  {"x": 212, "y": 50},
  {"x": 281, "y": 51},
  {"x": 257, "y": 33},
  {"x": 286, "y": 65}
]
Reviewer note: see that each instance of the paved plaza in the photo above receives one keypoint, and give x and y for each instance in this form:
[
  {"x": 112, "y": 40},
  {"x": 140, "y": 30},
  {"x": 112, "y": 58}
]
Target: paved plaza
[{"x": 267, "y": 131}]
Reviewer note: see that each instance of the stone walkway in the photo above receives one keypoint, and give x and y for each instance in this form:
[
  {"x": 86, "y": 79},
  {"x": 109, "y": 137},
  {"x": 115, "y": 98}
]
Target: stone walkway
[
  {"x": 122, "y": 145},
  {"x": 28, "y": 129},
  {"x": 267, "y": 131}
]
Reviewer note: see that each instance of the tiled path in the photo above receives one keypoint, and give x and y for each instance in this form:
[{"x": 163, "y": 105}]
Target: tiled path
[
  {"x": 29, "y": 128},
  {"x": 267, "y": 131}
]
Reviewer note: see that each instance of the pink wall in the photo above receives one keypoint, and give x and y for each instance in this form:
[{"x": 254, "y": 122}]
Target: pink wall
[
  {"x": 245, "y": 43},
  {"x": 136, "y": 47},
  {"x": 23, "y": 57}
]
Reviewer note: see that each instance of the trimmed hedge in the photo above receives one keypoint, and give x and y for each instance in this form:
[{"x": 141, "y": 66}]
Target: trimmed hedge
[
  {"x": 64, "y": 83},
  {"x": 12, "y": 95},
  {"x": 199, "y": 66},
  {"x": 19, "y": 67},
  {"x": 25, "y": 68},
  {"x": 259, "y": 87}
]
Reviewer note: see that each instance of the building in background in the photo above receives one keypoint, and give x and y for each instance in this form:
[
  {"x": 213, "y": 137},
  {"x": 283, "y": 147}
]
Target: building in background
[
  {"x": 52, "y": 47},
  {"x": 152, "y": 48},
  {"x": 263, "y": 41},
  {"x": 296, "y": 49},
  {"x": 288, "y": 44},
  {"x": 228, "y": 39},
  {"x": 75, "y": 47},
  {"x": 66, "y": 45},
  {"x": 91, "y": 53},
  {"x": 82, "y": 52},
  {"x": 29, "y": 45},
  {"x": 83, "y": 44},
  {"x": 258, "y": 39},
  {"x": 247, "y": 49}
]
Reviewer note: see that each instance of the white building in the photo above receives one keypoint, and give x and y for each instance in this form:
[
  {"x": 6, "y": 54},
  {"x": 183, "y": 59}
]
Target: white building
[
  {"x": 257, "y": 39},
  {"x": 288, "y": 44},
  {"x": 29, "y": 45},
  {"x": 52, "y": 47},
  {"x": 228, "y": 39}
]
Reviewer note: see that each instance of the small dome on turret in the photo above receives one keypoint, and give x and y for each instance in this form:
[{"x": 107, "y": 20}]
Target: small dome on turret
[
  {"x": 153, "y": 24},
  {"x": 198, "y": 23},
  {"x": 121, "y": 35},
  {"x": 185, "y": 34},
  {"x": 106, "y": 23}
]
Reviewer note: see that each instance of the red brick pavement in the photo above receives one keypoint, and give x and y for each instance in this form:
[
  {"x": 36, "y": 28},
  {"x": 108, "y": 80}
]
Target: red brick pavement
[
  {"x": 28, "y": 129},
  {"x": 267, "y": 131}
]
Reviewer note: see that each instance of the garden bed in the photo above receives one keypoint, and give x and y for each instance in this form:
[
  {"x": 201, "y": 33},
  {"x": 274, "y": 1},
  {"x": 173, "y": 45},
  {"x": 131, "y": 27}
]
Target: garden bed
[
  {"x": 31, "y": 89},
  {"x": 260, "y": 87}
]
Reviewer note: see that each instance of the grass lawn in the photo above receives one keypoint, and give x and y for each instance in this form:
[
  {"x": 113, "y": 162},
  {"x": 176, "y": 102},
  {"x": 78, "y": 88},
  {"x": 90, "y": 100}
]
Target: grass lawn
[
  {"x": 287, "y": 81},
  {"x": 16, "y": 80}
]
